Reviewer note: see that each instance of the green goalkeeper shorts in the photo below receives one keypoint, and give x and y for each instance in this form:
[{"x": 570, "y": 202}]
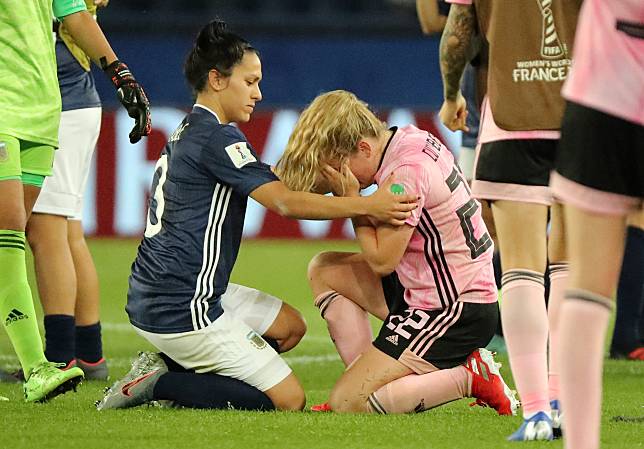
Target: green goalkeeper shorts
[{"x": 27, "y": 161}]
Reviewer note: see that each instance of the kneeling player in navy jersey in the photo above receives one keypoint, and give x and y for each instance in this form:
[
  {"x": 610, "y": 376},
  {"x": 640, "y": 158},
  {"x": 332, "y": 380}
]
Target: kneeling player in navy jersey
[
  {"x": 431, "y": 280},
  {"x": 218, "y": 340}
]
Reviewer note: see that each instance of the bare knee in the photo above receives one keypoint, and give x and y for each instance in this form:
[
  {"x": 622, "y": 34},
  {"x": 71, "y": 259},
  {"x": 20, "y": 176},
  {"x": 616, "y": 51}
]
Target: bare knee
[
  {"x": 34, "y": 233},
  {"x": 296, "y": 329},
  {"x": 14, "y": 219},
  {"x": 288, "y": 395},
  {"x": 14, "y": 215},
  {"x": 341, "y": 402},
  {"x": 294, "y": 402},
  {"x": 46, "y": 231},
  {"x": 316, "y": 268}
]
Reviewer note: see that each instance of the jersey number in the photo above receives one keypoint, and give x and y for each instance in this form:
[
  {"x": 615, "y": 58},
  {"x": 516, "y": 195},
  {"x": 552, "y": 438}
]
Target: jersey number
[
  {"x": 465, "y": 214},
  {"x": 157, "y": 202},
  {"x": 409, "y": 321}
]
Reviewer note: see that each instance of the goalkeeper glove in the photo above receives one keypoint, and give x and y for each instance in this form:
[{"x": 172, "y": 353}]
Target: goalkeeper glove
[{"x": 131, "y": 96}]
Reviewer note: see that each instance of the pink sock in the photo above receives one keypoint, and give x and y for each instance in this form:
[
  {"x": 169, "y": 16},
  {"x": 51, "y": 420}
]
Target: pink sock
[
  {"x": 558, "y": 282},
  {"x": 525, "y": 327},
  {"x": 583, "y": 320},
  {"x": 348, "y": 325},
  {"x": 416, "y": 393}
]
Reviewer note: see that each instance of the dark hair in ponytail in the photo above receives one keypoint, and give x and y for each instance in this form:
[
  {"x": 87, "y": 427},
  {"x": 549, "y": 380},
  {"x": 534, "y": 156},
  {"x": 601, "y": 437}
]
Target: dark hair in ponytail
[{"x": 215, "y": 48}]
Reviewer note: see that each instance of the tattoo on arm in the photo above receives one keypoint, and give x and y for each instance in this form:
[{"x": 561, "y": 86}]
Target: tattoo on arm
[{"x": 454, "y": 47}]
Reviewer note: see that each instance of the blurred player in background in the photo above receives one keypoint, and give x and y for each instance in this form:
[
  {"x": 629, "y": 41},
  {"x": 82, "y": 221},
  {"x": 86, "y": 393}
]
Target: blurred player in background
[
  {"x": 30, "y": 102},
  {"x": 65, "y": 271},
  {"x": 66, "y": 275},
  {"x": 600, "y": 178},
  {"x": 432, "y": 15},
  {"x": 431, "y": 280},
  {"x": 179, "y": 297},
  {"x": 527, "y": 63},
  {"x": 628, "y": 334}
]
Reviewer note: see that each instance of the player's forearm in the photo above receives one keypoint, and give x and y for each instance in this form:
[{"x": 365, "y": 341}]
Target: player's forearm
[
  {"x": 89, "y": 37},
  {"x": 311, "y": 206},
  {"x": 431, "y": 21},
  {"x": 373, "y": 254},
  {"x": 454, "y": 47}
]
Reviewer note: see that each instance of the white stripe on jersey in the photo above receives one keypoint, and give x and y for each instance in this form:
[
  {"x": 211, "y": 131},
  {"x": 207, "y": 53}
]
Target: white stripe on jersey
[
  {"x": 219, "y": 203},
  {"x": 220, "y": 216}
]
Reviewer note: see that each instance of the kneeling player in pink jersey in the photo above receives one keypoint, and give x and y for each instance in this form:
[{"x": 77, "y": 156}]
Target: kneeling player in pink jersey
[{"x": 431, "y": 280}]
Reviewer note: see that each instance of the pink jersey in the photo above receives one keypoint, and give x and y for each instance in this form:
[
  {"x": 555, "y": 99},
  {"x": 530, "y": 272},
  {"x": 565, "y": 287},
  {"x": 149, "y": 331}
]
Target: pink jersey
[
  {"x": 608, "y": 69},
  {"x": 449, "y": 256}
]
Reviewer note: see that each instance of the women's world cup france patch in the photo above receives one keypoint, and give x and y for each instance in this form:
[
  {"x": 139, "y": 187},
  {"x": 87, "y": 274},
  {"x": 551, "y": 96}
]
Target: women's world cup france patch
[{"x": 240, "y": 154}]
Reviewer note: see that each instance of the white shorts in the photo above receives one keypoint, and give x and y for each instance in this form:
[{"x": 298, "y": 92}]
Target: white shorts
[
  {"x": 232, "y": 345},
  {"x": 62, "y": 193},
  {"x": 254, "y": 307}
]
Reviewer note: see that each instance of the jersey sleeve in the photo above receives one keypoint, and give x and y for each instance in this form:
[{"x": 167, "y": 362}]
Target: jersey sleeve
[
  {"x": 231, "y": 159},
  {"x": 64, "y": 8},
  {"x": 415, "y": 181}
]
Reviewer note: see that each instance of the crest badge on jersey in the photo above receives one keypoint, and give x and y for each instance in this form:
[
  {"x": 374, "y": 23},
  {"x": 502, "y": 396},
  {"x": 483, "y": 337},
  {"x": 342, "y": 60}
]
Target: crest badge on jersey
[
  {"x": 240, "y": 154},
  {"x": 256, "y": 340}
]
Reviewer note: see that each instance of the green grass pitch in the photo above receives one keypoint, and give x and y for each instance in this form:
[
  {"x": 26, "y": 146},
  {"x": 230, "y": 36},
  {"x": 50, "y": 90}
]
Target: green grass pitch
[{"x": 277, "y": 267}]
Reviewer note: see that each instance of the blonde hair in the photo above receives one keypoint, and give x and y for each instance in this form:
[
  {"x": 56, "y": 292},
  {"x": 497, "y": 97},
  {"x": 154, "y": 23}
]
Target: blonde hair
[{"x": 329, "y": 129}]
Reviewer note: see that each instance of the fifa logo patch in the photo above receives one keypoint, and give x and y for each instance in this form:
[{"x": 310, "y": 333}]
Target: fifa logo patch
[
  {"x": 4, "y": 154},
  {"x": 15, "y": 315},
  {"x": 240, "y": 154},
  {"x": 256, "y": 340}
]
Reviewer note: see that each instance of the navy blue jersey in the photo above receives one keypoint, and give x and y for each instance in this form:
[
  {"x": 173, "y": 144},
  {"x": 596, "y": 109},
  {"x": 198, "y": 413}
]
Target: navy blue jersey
[
  {"x": 77, "y": 88},
  {"x": 195, "y": 219}
]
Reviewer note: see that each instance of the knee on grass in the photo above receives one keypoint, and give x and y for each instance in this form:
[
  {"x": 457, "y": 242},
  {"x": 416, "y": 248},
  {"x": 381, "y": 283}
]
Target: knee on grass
[
  {"x": 293, "y": 401},
  {"x": 343, "y": 403}
]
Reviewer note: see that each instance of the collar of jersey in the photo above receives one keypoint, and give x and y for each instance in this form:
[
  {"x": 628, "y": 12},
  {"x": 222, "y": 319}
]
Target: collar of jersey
[{"x": 197, "y": 105}]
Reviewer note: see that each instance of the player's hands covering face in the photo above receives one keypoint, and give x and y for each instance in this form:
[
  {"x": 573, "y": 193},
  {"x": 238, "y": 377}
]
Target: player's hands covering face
[{"x": 341, "y": 182}]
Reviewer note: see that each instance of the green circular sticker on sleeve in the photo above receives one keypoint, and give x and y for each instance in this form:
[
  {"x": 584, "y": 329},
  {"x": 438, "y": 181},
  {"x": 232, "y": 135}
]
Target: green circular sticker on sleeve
[{"x": 397, "y": 189}]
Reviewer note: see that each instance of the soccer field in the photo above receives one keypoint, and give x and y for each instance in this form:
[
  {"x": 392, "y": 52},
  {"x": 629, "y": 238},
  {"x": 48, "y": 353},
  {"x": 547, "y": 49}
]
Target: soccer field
[{"x": 278, "y": 267}]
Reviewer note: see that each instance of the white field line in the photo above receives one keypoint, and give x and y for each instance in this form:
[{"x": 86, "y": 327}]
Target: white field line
[{"x": 126, "y": 362}]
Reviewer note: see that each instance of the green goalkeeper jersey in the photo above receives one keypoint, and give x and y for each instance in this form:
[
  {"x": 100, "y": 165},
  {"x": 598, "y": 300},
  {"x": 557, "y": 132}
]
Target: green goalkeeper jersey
[{"x": 29, "y": 95}]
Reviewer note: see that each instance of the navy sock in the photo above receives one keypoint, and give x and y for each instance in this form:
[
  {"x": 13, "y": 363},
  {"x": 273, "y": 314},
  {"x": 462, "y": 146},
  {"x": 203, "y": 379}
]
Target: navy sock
[
  {"x": 172, "y": 365},
  {"x": 630, "y": 296},
  {"x": 210, "y": 391},
  {"x": 89, "y": 346},
  {"x": 59, "y": 338}
]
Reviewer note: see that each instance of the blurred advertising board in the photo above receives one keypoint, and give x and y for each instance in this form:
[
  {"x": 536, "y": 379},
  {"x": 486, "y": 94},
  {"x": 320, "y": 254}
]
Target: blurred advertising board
[{"x": 118, "y": 186}]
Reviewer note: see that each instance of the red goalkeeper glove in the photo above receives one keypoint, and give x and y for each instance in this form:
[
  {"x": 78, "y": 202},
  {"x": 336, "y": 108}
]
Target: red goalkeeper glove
[{"x": 131, "y": 96}]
